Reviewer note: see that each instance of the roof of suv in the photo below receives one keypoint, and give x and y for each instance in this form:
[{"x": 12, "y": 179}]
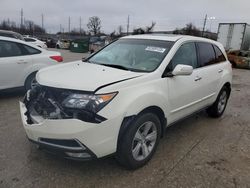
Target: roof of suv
[{"x": 166, "y": 37}]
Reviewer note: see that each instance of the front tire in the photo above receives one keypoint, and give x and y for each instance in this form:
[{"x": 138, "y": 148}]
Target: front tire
[
  {"x": 219, "y": 106},
  {"x": 140, "y": 141}
]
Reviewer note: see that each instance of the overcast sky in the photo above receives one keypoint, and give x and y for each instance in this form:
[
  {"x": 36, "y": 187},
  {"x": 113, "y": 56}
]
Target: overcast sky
[{"x": 168, "y": 14}]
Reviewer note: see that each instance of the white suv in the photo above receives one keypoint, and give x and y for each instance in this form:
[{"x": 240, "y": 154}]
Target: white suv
[{"x": 120, "y": 100}]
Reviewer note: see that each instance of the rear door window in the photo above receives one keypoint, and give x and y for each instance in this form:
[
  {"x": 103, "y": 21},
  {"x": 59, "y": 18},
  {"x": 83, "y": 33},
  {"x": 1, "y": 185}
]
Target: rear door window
[
  {"x": 206, "y": 54},
  {"x": 29, "y": 50},
  {"x": 219, "y": 55}
]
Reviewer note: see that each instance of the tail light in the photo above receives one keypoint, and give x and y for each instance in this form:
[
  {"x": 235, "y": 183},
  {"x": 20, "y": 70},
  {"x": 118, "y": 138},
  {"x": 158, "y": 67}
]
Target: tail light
[{"x": 58, "y": 58}]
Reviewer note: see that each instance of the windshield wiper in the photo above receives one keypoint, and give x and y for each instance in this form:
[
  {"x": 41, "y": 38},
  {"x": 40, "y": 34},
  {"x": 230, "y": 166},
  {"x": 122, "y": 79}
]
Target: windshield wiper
[{"x": 115, "y": 66}]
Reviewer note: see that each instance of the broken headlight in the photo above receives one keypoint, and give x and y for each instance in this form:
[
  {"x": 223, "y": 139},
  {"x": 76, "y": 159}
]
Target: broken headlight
[{"x": 89, "y": 102}]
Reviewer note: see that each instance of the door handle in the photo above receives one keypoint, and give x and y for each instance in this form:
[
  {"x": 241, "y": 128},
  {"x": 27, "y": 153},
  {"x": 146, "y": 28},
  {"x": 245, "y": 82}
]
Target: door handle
[
  {"x": 220, "y": 71},
  {"x": 22, "y": 62},
  {"x": 197, "y": 78}
]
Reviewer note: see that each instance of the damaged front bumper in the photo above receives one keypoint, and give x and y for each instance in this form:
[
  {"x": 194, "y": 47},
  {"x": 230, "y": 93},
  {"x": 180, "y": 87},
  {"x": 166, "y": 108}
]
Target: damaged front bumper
[{"x": 70, "y": 137}]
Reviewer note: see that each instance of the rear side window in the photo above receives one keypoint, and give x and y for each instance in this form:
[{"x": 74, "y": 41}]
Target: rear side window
[
  {"x": 9, "y": 49},
  {"x": 206, "y": 54},
  {"x": 219, "y": 57},
  {"x": 29, "y": 50}
]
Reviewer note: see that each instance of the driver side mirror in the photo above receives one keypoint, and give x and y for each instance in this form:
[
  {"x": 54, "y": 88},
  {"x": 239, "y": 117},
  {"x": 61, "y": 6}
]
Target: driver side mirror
[{"x": 181, "y": 69}]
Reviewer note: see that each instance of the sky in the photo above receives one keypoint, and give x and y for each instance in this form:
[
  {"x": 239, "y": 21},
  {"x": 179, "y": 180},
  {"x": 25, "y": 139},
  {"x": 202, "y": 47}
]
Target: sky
[{"x": 168, "y": 14}]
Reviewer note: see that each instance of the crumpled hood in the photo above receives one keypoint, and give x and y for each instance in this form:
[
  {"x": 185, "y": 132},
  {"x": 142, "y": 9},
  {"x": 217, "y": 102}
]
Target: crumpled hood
[{"x": 82, "y": 76}]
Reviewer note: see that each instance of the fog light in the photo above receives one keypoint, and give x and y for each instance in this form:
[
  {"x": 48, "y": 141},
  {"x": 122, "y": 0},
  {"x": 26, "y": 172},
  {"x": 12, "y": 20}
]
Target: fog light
[{"x": 78, "y": 155}]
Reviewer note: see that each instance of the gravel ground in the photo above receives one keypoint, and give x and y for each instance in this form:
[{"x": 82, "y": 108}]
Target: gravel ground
[{"x": 197, "y": 152}]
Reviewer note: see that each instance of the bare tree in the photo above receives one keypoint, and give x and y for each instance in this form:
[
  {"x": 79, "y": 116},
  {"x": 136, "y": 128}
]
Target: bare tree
[
  {"x": 190, "y": 29},
  {"x": 94, "y": 25},
  {"x": 147, "y": 29}
]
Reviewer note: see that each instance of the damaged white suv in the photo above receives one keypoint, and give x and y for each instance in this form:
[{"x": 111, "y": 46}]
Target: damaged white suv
[{"x": 120, "y": 100}]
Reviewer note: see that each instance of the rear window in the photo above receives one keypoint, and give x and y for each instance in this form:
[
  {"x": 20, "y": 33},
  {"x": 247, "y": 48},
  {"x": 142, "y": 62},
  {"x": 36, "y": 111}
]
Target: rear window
[
  {"x": 30, "y": 51},
  {"x": 206, "y": 54}
]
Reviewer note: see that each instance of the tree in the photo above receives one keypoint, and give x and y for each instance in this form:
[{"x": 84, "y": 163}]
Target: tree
[
  {"x": 147, "y": 29},
  {"x": 190, "y": 29},
  {"x": 94, "y": 25}
]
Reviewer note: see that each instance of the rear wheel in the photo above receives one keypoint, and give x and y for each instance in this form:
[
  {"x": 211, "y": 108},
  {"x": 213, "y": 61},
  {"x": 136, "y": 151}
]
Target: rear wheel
[
  {"x": 30, "y": 82},
  {"x": 219, "y": 106},
  {"x": 139, "y": 143}
]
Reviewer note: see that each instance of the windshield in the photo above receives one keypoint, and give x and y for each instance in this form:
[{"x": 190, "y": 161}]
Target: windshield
[{"x": 140, "y": 55}]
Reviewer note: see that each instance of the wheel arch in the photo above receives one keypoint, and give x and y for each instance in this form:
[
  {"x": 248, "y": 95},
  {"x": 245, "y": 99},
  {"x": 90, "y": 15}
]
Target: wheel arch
[
  {"x": 228, "y": 86},
  {"x": 129, "y": 119}
]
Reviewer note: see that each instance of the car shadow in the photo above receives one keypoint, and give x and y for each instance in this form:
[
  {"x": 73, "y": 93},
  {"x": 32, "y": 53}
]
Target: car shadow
[{"x": 10, "y": 93}]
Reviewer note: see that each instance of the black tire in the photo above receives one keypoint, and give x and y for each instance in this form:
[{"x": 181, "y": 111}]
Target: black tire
[
  {"x": 215, "y": 111},
  {"x": 125, "y": 150},
  {"x": 29, "y": 81}
]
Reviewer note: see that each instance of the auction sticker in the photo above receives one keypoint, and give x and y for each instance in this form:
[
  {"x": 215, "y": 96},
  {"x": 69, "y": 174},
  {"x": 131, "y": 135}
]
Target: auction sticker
[{"x": 155, "y": 49}]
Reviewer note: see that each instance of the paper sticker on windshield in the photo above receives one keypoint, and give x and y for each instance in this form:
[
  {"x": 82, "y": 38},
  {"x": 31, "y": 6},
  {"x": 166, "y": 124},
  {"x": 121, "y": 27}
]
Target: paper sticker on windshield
[{"x": 155, "y": 49}]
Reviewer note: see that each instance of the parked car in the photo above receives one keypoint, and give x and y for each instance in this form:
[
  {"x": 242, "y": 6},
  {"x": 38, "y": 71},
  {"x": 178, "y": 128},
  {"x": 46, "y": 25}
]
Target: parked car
[
  {"x": 36, "y": 42},
  {"x": 96, "y": 43},
  {"x": 122, "y": 98},
  {"x": 239, "y": 58},
  {"x": 51, "y": 43},
  {"x": 19, "y": 62},
  {"x": 63, "y": 44},
  {"x": 11, "y": 34}
]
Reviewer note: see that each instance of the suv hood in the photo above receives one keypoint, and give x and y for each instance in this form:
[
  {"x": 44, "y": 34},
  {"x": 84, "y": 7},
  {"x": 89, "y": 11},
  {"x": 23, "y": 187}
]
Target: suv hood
[{"x": 82, "y": 76}]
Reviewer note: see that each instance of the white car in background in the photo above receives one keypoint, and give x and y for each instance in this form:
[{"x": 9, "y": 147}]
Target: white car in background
[
  {"x": 63, "y": 44},
  {"x": 36, "y": 42},
  {"x": 19, "y": 62}
]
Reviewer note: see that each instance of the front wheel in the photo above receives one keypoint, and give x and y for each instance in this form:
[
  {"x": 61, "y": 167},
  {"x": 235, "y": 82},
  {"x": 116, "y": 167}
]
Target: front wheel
[
  {"x": 219, "y": 106},
  {"x": 139, "y": 143}
]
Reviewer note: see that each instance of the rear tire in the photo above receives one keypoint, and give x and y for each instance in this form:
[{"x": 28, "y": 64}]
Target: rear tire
[
  {"x": 140, "y": 141},
  {"x": 30, "y": 81},
  {"x": 219, "y": 106}
]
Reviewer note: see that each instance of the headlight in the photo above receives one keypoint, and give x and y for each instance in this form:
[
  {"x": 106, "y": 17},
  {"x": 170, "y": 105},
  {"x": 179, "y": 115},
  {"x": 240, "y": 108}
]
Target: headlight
[{"x": 89, "y": 102}]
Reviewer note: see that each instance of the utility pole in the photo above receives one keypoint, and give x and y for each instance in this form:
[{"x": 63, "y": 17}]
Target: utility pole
[
  {"x": 80, "y": 24},
  {"x": 21, "y": 18},
  {"x": 128, "y": 25},
  {"x": 60, "y": 28},
  {"x": 69, "y": 24},
  {"x": 42, "y": 22},
  {"x": 204, "y": 25}
]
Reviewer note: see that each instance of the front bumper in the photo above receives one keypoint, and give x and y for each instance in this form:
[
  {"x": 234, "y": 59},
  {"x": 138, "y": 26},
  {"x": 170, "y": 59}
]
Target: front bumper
[{"x": 97, "y": 140}]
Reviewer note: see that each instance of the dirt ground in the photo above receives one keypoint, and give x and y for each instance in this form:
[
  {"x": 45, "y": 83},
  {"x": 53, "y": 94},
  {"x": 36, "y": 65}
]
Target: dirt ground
[{"x": 197, "y": 152}]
